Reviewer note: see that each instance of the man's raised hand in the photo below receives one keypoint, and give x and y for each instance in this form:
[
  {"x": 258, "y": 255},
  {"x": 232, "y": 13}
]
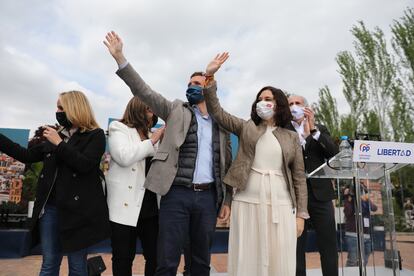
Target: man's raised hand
[
  {"x": 215, "y": 64},
  {"x": 114, "y": 44}
]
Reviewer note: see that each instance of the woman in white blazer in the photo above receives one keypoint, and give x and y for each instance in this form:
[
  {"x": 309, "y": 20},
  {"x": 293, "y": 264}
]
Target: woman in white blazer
[{"x": 133, "y": 210}]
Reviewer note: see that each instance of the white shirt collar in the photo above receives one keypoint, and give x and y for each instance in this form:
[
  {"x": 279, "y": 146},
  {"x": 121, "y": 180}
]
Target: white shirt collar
[
  {"x": 196, "y": 109},
  {"x": 68, "y": 133},
  {"x": 299, "y": 127}
]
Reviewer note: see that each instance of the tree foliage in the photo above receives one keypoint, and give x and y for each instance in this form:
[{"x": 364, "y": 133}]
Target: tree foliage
[
  {"x": 378, "y": 70},
  {"x": 377, "y": 83},
  {"x": 327, "y": 111},
  {"x": 402, "y": 114},
  {"x": 30, "y": 180},
  {"x": 403, "y": 45},
  {"x": 353, "y": 87}
]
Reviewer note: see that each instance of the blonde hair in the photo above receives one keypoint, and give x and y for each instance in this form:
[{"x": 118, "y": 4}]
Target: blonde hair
[{"x": 78, "y": 110}]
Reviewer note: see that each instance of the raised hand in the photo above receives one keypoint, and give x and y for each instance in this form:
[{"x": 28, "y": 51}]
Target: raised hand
[
  {"x": 215, "y": 64},
  {"x": 310, "y": 116},
  {"x": 114, "y": 44},
  {"x": 306, "y": 128}
]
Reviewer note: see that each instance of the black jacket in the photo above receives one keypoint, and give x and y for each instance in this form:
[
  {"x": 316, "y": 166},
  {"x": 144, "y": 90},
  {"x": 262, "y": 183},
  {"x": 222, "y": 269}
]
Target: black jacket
[
  {"x": 74, "y": 167},
  {"x": 315, "y": 154}
]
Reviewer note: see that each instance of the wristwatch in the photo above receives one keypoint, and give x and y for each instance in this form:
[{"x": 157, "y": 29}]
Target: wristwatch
[{"x": 313, "y": 131}]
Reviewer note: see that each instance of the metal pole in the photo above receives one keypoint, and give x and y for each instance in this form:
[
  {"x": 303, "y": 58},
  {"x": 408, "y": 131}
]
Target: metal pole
[
  {"x": 391, "y": 224},
  {"x": 340, "y": 229},
  {"x": 371, "y": 232},
  {"x": 402, "y": 189},
  {"x": 359, "y": 227}
]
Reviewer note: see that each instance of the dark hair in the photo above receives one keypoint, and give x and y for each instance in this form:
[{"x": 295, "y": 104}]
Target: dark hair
[
  {"x": 195, "y": 74},
  {"x": 135, "y": 116},
  {"x": 282, "y": 116}
]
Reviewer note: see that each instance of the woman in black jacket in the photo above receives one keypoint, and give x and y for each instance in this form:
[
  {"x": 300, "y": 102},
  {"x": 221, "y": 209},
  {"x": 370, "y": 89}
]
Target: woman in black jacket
[{"x": 70, "y": 211}]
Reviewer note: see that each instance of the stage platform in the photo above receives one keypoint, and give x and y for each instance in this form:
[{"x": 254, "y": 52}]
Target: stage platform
[
  {"x": 15, "y": 243},
  {"x": 30, "y": 266},
  {"x": 351, "y": 271}
]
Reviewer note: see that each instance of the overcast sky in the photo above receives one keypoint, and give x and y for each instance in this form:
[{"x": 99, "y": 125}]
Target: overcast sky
[{"x": 48, "y": 47}]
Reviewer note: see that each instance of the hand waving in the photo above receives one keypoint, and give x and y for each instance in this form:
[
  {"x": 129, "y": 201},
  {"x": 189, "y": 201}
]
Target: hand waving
[
  {"x": 114, "y": 44},
  {"x": 215, "y": 64}
]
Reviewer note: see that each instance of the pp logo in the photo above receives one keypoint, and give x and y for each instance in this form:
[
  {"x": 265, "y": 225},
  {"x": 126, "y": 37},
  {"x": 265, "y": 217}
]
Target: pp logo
[{"x": 364, "y": 147}]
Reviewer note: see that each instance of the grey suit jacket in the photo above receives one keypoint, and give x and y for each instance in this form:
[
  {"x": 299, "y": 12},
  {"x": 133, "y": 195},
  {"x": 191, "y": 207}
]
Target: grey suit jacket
[{"x": 177, "y": 117}]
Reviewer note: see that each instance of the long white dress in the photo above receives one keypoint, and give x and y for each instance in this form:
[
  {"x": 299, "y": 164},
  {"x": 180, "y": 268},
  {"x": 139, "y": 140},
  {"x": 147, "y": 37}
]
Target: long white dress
[{"x": 262, "y": 239}]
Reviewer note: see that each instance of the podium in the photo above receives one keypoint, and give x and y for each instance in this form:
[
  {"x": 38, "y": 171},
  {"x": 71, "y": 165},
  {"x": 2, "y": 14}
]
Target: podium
[{"x": 366, "y": 188}]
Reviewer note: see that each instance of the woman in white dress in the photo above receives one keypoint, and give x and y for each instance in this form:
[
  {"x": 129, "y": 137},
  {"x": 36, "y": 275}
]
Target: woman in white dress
[{"x": 270, "y": 203}]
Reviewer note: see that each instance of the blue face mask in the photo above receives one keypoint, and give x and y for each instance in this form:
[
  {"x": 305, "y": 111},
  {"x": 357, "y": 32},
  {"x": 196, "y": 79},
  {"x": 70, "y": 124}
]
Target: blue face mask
[{"x": 194, "y": 94}]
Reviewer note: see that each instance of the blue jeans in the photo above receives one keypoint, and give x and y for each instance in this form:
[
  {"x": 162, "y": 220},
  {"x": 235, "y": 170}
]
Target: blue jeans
[
  {"x": 186, "y": 218},
  {"x": 51, "y": 248},
  {"x": 352, "y": 245}
]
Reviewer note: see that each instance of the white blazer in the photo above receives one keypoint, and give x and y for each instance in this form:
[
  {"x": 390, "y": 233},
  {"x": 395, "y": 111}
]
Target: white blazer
[{"x": 126, "y": 175}]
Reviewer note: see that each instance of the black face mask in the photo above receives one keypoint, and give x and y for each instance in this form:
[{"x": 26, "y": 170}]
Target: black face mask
[{"x": 63, "y": 120}]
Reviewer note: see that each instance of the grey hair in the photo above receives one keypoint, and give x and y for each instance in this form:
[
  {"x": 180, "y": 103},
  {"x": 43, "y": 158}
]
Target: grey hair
[{"x": 305, "y": 101}]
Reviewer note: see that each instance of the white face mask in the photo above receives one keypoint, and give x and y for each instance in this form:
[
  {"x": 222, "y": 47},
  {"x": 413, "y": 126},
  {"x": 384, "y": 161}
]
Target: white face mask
[
  {"x": 297, "y": 112},
  {"x": 265, "y": 110}
]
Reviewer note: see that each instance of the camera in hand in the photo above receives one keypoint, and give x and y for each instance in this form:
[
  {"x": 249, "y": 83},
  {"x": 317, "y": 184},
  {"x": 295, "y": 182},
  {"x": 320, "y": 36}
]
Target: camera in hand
[{"x": 38, "y": 137}]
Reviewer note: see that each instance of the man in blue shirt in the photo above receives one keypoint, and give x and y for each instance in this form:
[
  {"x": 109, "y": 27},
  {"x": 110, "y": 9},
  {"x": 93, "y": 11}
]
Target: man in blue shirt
[{"x": 188, "y": 168}]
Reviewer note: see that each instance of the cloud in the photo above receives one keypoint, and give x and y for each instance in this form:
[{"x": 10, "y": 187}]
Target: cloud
[{"x": 52, "y": 46}]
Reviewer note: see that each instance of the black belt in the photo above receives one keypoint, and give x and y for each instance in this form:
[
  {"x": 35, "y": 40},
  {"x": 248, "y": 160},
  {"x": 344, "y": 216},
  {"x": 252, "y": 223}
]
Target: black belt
[{"x": 201, "y": 187}]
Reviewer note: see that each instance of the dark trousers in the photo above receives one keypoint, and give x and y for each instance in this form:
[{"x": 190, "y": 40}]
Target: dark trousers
[
  {"x": 186, "y": 214},
  {"x": 187, "y": 259},
  {"x": 323, "y": 220},
  {"x": 123, "y": 242}
]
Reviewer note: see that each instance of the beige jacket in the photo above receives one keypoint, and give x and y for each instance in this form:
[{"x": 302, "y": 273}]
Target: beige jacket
[{"x": 249, "y": 134}]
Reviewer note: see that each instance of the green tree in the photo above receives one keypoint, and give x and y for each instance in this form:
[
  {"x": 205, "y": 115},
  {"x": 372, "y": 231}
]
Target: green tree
[
  {"x": 353, "y": 80},
  {"x": 402, "y": 114},
  {"x": 30, "y": 180},
  {"x": 378, "y": 69},
  {"x": 402, "y": 123},
  {"x": 403, "y": 44},
  {"x": 326, "y": 111},
  {"x": 378, "y": 86},
  {"x": 347, "y": 124},
  {"x": 371, "y": 123}
]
